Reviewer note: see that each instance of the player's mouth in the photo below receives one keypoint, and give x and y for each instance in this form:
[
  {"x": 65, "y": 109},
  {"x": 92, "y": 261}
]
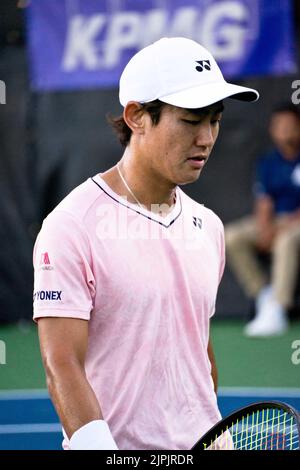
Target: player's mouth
[{"x": 197, "y": 162}]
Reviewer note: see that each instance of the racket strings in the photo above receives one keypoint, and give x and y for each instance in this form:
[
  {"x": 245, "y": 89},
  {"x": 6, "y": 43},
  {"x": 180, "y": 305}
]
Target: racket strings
[
  {"x": 270, "y": 429},
  {"x": 292, "y": 445},
  {"x": 262, "y": 443},
  {"x": 268, "y": 442}
]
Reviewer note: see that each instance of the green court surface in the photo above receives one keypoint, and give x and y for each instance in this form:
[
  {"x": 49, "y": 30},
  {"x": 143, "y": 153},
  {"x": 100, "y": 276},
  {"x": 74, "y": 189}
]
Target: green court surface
[
  {"x": 255, "y": 362},
  {"x": 242, "y": 362}
]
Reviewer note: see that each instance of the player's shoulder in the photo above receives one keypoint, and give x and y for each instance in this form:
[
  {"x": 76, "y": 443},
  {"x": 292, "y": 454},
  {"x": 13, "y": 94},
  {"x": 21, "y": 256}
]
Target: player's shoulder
[
  {"x": 78, "y": 203},
  {"x": 200, "y": 210}
]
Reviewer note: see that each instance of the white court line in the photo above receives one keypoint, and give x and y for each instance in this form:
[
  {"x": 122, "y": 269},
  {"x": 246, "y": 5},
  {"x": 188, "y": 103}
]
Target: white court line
[
  {"x": 30, "y": 428},
  {"x": 259, "y": 392},
  {"x": 29, "y": 394},
  {"x": 36, "y": 394},
  {"x": 41, "y": 394}
]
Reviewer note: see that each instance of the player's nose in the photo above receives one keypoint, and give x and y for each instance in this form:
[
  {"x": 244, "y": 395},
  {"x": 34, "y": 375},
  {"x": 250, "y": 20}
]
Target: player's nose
[{"x": 204, "y": 137}]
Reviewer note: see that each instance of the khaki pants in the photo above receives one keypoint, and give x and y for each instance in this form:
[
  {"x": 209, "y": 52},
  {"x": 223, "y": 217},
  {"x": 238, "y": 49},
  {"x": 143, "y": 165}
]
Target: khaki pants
[{"x": 242, "y": 257}]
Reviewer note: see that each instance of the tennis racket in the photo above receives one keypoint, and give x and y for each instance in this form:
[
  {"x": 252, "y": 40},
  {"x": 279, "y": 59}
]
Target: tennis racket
[{"x": 268, "y": 425}]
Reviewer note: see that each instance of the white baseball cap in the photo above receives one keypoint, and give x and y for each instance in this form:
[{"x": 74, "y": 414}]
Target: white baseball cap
[{"x": 180, "y": 72}]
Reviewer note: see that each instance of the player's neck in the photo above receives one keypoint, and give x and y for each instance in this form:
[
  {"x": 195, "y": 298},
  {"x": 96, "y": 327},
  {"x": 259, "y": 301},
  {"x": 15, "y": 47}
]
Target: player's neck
[{"x": 131, "y": 179}]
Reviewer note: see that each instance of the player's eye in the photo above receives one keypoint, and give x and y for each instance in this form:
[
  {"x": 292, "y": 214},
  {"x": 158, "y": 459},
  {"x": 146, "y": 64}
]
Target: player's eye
[
  {"x": 192, "y": 122},
  {"x": 216, "y": 119}
]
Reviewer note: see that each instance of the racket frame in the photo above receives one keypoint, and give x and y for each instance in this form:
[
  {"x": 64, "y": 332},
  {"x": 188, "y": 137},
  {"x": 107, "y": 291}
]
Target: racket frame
[{"x": 210, "y": 435}]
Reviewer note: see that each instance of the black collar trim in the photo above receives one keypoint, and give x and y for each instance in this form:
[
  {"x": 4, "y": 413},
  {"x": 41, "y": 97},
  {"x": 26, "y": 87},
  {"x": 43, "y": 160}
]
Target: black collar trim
[{"x": 137, "y": 211}]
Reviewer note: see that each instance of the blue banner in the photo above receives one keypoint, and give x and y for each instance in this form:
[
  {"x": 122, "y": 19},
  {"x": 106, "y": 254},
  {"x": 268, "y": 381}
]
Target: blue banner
[{"x": 77, "y": 44}]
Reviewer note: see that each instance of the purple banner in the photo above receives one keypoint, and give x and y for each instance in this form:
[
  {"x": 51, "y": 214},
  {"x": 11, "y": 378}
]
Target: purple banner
[{"x": 77, "y": 44}]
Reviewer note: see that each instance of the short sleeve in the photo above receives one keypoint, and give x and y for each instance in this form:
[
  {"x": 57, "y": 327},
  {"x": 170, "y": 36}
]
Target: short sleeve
[{"x": 64, "y": 284}]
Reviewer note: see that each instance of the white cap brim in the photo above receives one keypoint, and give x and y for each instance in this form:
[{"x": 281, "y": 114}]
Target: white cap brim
[{"x": 205, "y": 95}]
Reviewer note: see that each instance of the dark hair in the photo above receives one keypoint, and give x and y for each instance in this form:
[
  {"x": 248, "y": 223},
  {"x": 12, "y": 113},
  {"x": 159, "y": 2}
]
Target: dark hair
[
  {"x": 287, "y": 107},
  {"x": 124, "y": 132}
]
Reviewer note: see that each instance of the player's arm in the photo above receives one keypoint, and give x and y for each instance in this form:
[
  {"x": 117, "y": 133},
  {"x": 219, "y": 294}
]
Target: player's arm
[
  {"x": 214, "y": 371},
  {"x": 63, "y": 343}
]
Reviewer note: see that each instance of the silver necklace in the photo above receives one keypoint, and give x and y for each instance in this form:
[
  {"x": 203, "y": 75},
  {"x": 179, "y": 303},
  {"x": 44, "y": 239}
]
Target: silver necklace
[
  {"x": 131, "y": 192},
  {"x": 128, "y": 188}
]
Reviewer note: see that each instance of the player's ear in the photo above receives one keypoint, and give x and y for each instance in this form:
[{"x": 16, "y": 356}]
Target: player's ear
[{"x": 134, "y": 116}]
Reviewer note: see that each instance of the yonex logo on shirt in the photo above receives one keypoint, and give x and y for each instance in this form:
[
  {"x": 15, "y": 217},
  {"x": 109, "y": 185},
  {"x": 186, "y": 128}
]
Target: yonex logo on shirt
[
  {"x": 47, "y": 295},
  {"x": 197, "y": 222}
]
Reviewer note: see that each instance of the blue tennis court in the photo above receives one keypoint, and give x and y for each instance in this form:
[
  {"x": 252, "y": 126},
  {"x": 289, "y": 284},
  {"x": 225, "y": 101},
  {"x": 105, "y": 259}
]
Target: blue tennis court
[{"x": 28, "y": 420}]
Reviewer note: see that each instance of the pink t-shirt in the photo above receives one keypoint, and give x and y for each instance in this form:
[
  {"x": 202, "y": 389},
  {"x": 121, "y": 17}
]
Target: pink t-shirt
[{"x": 147, "y": 285}]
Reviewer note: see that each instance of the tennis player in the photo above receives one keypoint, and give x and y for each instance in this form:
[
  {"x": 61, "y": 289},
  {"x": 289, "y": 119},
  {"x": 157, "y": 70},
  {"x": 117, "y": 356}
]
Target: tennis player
[{"x": 127, "y": 267}]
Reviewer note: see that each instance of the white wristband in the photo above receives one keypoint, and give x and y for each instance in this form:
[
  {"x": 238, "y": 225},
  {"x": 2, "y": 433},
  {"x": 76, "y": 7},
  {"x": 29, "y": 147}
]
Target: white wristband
[{"x": 95, "y": 435}]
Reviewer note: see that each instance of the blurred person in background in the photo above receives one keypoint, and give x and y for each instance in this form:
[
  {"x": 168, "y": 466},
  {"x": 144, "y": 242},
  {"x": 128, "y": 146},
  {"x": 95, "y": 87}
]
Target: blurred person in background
[{"x": 272, "y": 230}]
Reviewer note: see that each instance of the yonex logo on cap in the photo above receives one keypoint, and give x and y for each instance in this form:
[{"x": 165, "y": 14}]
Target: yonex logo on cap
[{"x": 203, "y": 65}]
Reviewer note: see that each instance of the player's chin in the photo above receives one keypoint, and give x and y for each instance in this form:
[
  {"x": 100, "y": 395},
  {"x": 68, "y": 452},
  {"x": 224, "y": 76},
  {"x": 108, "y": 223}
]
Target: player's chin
[{"x": 188, "y": 177}]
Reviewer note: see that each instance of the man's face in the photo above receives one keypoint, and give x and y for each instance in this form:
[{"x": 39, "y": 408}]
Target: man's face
[
  {"x": 179, "y": 146},
  {"x": 285, "y": 132}
]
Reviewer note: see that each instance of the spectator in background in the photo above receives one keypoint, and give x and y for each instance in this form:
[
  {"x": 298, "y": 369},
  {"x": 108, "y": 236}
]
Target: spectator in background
[{"x": 272, "y": 229}]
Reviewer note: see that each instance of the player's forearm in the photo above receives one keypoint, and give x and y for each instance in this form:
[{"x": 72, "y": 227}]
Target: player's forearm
[{"x": 72, "y": 395}]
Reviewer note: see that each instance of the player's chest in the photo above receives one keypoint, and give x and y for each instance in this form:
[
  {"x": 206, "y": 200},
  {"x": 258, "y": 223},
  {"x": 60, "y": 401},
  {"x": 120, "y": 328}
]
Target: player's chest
[{"x": 132, "y": 268}]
